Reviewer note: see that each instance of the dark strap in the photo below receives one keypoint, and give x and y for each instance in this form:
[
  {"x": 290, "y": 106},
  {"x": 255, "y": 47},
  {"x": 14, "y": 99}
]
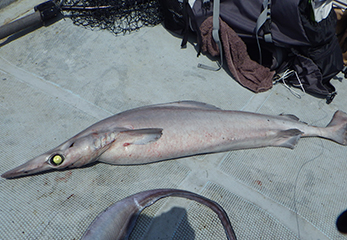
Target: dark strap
[
  {"x": 264, "y": 22},
  {"x": 215, "y": 31},
  {"x": 189, "y": 17},
  {"x": 215, "y": 35},
  {"x": 186, "y": 22}
]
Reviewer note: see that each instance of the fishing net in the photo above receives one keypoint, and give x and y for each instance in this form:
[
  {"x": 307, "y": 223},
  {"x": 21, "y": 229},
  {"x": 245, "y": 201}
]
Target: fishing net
[{"x": 117, "y": 16}]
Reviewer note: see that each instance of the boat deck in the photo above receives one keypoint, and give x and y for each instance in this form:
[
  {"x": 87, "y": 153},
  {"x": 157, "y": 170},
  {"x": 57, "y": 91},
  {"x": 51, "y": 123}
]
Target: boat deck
[{"x": 57, "y": 80}]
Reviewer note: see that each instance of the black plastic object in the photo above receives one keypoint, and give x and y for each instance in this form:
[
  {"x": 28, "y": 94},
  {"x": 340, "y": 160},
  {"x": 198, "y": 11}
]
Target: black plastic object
[
  {"x": 48, "y": 10},
  {"x": 341, "y": 222},
  {"x": 43, "y": 12}
]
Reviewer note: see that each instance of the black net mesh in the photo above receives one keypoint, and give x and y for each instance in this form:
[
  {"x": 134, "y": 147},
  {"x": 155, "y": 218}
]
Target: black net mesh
[{"x": 117, "y": 16}]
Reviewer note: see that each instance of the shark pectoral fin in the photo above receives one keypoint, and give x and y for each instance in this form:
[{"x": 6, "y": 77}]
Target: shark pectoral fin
[
  {"x": 288, "y": 138},
  {"x": 141, "y": 136}
]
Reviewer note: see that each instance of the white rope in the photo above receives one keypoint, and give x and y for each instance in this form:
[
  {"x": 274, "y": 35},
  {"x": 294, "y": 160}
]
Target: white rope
[{"x": 285, "y": 75}]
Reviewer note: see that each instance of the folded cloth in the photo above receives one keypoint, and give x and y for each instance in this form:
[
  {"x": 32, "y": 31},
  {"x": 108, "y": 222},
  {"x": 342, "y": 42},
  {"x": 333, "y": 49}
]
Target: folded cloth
[{"x": 247, "y": 72}]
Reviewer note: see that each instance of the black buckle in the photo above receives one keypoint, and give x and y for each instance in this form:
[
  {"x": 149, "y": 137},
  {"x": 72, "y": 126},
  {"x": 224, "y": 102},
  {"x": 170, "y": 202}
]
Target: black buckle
[{"x": 330, "y": 97}]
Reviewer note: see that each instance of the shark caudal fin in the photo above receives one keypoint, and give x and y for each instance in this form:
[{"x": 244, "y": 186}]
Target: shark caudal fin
[{"x": 338, "y": 128}]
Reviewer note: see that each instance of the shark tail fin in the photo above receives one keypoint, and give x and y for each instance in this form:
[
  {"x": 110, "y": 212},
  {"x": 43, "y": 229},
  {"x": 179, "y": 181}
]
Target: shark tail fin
[{"x": 338, "y": 128}]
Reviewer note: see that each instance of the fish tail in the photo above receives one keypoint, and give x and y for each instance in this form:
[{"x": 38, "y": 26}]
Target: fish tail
[{"x": 338, "y": 128}]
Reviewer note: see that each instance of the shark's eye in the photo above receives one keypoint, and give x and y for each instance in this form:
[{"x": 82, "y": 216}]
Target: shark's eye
[{"x": 56, "y": 159}]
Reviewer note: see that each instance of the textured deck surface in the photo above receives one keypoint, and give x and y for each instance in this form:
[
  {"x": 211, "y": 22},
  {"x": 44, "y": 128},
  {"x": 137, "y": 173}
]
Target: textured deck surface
[{"x": 57, "y": 80}]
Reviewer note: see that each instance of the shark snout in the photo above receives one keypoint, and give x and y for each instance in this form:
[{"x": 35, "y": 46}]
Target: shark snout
[{"x": 31, "y": 167}]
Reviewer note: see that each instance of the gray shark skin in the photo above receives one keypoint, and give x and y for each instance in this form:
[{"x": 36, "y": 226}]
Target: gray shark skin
[
  {"x": 118, "y": 220},
  {"x": 173, "y": 130}
]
